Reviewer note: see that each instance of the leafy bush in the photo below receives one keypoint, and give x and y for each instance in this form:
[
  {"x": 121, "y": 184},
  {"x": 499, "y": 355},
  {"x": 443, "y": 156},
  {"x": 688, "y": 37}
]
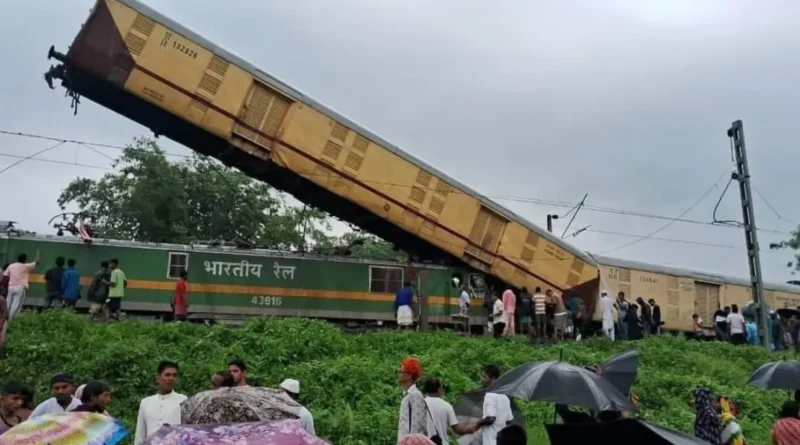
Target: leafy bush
[{"x": 348, "y": 381}]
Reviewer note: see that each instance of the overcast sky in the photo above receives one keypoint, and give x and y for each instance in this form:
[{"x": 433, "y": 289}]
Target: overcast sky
[{"x": 628, "y": 101}]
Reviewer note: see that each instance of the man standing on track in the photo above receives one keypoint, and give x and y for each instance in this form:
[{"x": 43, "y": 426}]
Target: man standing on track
[
  {"x": 540, "y": 313},
  {"x": 70, "y": 285},
  {"x": 118, "y": 284},
  {"x": 403, "y": 306},
  {"x": 18, "y": 274},
  {"x": 180, "y": 302},
  {"x": 52, "y": 283},
  {"x": 607, "y": 309},
  {"x": 509, "y": 309}
]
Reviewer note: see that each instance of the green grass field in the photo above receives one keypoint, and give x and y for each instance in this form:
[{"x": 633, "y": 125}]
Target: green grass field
[{"x": 348, "y": 381}]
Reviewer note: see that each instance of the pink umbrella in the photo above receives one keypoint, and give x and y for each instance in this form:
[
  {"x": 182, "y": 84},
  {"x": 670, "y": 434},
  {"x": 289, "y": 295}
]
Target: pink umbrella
[{"x": 287, "y": 432}]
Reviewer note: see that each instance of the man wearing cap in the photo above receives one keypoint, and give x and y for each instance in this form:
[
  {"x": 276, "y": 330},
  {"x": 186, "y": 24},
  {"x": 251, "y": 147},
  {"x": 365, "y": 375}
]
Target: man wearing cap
[
  {"x": 413, "y": 409},
  {"x": 62, "y": 385},
  {"x": 292, "y": 388}
]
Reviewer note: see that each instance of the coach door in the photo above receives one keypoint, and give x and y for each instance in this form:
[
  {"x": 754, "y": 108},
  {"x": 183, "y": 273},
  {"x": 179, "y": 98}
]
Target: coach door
[{"x": 706, "y": 301}]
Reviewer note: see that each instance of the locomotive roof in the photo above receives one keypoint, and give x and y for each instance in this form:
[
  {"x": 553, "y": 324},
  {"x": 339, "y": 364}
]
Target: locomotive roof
[
  {"x": 299, "y": 96},
  {"x": 200, "y": 248},
  {"x": 694, "y": 274}
]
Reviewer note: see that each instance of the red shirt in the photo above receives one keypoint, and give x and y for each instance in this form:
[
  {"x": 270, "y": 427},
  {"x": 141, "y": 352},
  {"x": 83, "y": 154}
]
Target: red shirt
[{"x": 179, "y": 299}]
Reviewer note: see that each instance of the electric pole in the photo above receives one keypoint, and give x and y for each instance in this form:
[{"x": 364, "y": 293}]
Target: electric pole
[
  {"x": 550, "y": 219},
  {"x": 742, "y": 175}
]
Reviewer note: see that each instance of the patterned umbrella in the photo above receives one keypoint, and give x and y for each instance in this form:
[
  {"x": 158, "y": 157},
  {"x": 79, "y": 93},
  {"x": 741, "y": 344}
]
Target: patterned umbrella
[
  {"x": 69, "y": 428},
  {"x": 238, "y": 405},
  {"x": 287, "y": 432}
]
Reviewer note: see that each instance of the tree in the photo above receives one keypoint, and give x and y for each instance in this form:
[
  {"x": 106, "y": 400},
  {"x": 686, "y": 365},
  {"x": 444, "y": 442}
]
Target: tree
[
  {"x": 794, "y": 244},
  {"x": 149, "y": 198},
  {"x": 359, "y": 244}
]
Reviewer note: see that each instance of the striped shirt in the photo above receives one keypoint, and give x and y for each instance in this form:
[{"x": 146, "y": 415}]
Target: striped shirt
[
  {"x": 539, "y": 304},
  {"x": 786, "y": 431}
]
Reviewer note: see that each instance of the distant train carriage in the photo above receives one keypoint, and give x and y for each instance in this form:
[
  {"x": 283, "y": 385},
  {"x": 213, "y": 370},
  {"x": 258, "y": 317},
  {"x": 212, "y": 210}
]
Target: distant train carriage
[
  {"x": 683, "y": 292},
  {"x": 233, "y": 284}
]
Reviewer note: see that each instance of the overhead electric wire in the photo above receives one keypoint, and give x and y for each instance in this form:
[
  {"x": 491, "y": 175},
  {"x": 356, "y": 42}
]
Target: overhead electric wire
[
  {"x": 599, "y": 231},
  {"x": 648, "y": 236},
  {"x": 773, "y": 208},
  {"x": 716, "y": 207},
  {"x": 23, "y": 159},
  {"x": 528, "y": 200}
]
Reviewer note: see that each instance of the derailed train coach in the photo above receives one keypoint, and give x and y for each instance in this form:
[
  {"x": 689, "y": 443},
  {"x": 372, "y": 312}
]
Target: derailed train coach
[{"x": 149, "y": 68}]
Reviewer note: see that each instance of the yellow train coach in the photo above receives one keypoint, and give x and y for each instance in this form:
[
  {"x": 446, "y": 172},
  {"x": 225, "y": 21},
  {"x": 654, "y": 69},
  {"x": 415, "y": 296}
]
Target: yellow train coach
[
  {"x": 135, "y": 61},
  {"x": 683, "y": 292}
]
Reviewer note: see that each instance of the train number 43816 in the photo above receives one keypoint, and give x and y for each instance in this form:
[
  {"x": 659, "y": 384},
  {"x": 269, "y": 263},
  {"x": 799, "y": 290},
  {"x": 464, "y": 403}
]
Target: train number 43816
[{"x": 265, "y": 300}]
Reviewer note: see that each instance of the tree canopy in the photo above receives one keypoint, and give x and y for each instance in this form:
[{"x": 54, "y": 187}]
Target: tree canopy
[{"x": 150, "y": 198}]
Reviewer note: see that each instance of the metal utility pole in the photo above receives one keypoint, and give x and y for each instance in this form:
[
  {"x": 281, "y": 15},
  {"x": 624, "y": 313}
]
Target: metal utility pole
[
  {"x": 550, "y": 219},
  {"x": 742, "y": 175}
]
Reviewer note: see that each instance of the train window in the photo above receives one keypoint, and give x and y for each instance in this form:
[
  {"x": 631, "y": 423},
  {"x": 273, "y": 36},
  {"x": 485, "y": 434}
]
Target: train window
[
  {"x": 176, "y": 263},
  {"x": 387, "y": 280}
]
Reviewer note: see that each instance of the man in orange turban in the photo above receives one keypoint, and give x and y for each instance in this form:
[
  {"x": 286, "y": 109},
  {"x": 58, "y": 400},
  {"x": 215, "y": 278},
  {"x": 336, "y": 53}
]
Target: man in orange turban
[
  {"x": 412, "y": 367},
  {"x": 413, "y": 409}
]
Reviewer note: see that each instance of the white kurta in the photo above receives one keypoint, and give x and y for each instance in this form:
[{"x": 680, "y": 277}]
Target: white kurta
[
  {"x": 156, "y": 411},
  {"x": 607, "y": 309}
]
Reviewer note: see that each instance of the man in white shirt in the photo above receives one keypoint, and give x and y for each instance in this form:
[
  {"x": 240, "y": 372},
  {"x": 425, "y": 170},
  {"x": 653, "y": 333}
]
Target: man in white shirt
[
  {"x": 163, "y": 408},
  {"x": 607, "y": 310},
  {"x": 496, "y": 408},
  {"x": 413, "y": 417},
  {"x": 463, "y": 305},
  {"x": 62, "y": 385},
  {"x": 292, "y": 388},
  {"x": 736, "y": 326},
  {"x": 442, "y": 415}
]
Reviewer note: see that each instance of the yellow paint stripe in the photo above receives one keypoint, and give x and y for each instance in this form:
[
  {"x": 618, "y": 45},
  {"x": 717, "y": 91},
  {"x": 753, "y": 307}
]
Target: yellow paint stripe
[{"x": 260, "y": 290}]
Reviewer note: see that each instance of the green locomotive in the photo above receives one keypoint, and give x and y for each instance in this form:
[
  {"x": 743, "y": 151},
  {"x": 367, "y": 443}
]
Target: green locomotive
[{"x": 227, "y": 284}]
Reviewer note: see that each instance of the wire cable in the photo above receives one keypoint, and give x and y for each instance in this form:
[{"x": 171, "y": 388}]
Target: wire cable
[
  {"x": 648, "y": 236},
  {"x": 527, "y": 200},
  {"x": 773, "y": 208},
  {"x": 30, "y": 157}
]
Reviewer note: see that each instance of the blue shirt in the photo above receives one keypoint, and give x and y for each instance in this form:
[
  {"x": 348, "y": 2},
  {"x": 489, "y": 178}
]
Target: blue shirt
[
  {"x": 752, "y": 333},
  {"x": 70, "y": 284},
  {"x": 404, "y": 297}
]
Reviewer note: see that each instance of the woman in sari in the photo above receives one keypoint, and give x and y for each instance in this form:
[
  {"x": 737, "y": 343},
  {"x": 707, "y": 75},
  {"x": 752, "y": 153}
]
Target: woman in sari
[
  {"x": 707, "y": 423},
  {"x": 731, "y": 431}
]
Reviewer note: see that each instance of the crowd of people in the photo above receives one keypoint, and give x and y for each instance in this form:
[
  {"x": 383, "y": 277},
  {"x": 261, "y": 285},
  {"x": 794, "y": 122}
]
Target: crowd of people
[
  {"x": 18, "y": 401},
  {"x": 547, "y": 316},
  {"x": 62, "y": 284}
]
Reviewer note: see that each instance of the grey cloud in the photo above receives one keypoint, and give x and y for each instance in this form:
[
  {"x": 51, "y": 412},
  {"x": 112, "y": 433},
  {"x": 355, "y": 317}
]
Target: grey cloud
[{"x": 627, "y": 100}]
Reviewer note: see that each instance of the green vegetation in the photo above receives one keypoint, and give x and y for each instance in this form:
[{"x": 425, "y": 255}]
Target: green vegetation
[
  {"x": 348, "y": 381},
  {"x": 151, "y": 198}
]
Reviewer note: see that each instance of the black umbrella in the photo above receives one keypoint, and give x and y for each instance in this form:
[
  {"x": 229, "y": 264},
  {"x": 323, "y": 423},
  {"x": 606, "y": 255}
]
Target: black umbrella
[
  {"x": 561, "y": 382},
  {"x": 619, "y": 432},
  {"x": 469, "y": 409},
  {"x": 788, "y": 312},
  {"x": 777, "y": 375},
  {"x": 621, "y": 369}
]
